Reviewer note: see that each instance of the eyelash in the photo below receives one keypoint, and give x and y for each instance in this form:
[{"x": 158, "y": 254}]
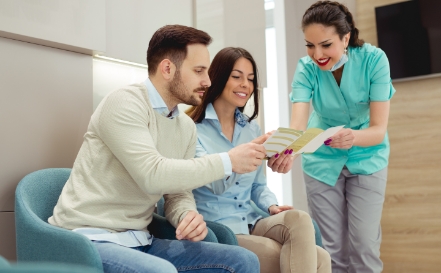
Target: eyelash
[
  {"x": 237, "y": 77},
  {"x": 325, "y": 46}
]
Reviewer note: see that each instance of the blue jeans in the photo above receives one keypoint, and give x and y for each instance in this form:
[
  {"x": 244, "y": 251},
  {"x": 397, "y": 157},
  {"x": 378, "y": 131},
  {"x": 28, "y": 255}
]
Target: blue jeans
[{"x": 165, "y": 256}]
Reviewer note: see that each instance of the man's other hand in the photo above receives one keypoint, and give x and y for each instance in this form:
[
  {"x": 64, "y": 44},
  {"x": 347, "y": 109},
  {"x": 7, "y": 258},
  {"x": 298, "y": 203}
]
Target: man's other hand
[{"x": 192, "y": 227}]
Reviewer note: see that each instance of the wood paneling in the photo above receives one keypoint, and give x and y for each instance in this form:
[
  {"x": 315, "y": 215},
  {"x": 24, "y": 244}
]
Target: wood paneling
[{"x": 411, "y": 220}]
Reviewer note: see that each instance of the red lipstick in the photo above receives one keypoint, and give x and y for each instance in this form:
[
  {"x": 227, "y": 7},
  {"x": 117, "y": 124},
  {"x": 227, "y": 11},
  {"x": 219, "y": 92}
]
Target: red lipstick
[{"x": 323, "y": 64}]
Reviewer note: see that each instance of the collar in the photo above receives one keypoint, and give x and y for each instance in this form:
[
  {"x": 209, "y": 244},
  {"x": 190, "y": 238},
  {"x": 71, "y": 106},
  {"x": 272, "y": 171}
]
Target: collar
[
  {"x": 158, "y": 103},
  {"x": 239, "y": 117}
]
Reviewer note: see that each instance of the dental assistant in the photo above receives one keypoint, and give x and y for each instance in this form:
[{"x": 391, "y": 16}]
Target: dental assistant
[{"x": 348, "y": 82}]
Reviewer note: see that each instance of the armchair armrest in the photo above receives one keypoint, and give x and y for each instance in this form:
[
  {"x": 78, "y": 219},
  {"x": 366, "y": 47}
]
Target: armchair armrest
[
  {"x": 161, "y": 228},
  {"x": 223, "y": 233}
]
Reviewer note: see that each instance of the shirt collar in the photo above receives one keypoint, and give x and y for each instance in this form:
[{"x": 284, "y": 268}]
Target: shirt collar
[
  {"x": 239, "y": 117},
  {"x": 157, "y": 102}
]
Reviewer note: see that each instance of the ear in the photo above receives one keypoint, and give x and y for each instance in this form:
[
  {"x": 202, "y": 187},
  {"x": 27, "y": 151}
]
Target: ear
[
  {"x": 167, "y": 69},
  {"x": 346, "y": 39}
]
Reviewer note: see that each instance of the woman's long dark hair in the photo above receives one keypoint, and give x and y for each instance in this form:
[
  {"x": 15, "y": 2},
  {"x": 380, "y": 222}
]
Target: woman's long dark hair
[
  {"x": 219, "y": 72},
  {"x": 331, "y": 13}
]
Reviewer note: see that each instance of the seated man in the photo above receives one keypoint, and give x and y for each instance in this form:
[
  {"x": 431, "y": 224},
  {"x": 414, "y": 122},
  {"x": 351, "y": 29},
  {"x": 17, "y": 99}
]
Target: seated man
[{"x": 138, "y": 148}]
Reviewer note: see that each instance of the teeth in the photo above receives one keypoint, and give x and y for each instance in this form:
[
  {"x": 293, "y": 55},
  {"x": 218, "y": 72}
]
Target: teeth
[
  {"x": 241, "y": 94},
  {"x": 323, "y": 61}
]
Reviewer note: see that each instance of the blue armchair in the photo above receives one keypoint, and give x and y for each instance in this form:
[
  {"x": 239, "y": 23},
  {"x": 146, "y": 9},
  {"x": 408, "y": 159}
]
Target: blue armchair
[
  {"x": 6, "y": 267},
  {"x": 37, "y": 241},
  {"x": 226, "y": 236}
]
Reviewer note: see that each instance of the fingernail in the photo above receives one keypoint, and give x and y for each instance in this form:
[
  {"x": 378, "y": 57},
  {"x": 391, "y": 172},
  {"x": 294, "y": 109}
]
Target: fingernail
[
  {"x": 286, "y": 151},
  {"x": 276, "y": 155},
  {"x": 327, "y": 141},
  {"x": 290, "y": 151}
]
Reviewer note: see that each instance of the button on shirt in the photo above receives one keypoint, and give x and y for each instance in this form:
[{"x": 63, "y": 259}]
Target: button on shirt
[
  {"x": 227, "y": 201},
  {"x": 366, "y": 78}
]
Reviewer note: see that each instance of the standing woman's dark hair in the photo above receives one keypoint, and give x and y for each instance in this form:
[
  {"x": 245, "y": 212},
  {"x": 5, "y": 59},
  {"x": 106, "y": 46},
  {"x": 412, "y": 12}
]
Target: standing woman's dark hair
[
  {"x": 219, "y": 72},
  {"x": 331, "y": 13}
]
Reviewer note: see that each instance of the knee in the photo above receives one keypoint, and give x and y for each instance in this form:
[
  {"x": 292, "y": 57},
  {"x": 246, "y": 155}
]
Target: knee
[
  {"x": 247, "y": 261},
  {"x": 298, "y": 220},
  {"x": 323, "y": 260}
]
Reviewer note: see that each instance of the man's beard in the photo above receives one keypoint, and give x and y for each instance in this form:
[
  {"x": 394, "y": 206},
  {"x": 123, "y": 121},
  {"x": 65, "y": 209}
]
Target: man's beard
[{"x": 179, "y": 91}]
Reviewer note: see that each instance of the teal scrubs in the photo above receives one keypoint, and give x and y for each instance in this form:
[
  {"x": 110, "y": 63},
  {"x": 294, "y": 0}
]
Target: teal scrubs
[{"x": 365, "y": 78}]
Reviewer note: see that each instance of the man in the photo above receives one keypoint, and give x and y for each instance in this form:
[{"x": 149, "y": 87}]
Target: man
[{"x": 138, "y": 148}]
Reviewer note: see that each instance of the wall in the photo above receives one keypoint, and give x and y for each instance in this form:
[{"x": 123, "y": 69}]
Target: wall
[{"x": 411, "y": 220}]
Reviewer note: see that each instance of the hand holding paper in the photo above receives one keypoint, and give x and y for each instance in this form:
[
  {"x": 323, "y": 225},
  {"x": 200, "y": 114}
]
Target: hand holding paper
[{"x": 300, "y": 142}]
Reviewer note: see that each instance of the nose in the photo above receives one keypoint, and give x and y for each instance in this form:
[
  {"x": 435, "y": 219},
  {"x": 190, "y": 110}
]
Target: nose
[
  {"x": 206, "y": 81},
  {"x": 244, "y": 83},
  {"x": 317, "y": 54}
]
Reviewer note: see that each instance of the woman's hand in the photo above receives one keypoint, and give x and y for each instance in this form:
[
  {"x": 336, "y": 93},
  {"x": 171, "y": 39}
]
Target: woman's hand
[
  {"x": 274, "y": 209},
  {"x": 343, "y": 139},
  {"x": 281, "y": 163}
]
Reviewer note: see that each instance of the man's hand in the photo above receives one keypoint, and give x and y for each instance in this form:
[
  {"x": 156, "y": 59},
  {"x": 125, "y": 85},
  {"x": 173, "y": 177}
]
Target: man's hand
[
  {"x": 274, "y": 209},
  {"x": 192, "y": 227},
  {"x": 262, "y": 138},
  {"x": 247, "y": 157}
]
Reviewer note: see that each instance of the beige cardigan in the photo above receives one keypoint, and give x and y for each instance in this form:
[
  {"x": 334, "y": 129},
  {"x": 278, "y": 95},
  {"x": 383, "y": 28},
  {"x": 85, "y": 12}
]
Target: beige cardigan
[{"x": 131, "y": 156}]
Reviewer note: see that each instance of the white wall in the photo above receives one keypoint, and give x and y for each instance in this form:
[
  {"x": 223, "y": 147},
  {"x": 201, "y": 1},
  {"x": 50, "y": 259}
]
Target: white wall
[
  {"x": 75, "y": 25},
  {"x": 131, "y": 23}
]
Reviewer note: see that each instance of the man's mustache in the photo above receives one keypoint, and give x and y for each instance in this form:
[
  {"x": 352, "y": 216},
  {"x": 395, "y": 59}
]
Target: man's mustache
[{"x": 205, "y": 89}]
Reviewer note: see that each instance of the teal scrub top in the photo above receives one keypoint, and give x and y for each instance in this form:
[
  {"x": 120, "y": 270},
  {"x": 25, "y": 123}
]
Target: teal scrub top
[{"x": 366, "y": 78}]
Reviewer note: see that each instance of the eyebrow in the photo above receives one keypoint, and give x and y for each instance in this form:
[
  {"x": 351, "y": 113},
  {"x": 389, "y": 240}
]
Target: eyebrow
[
  {"x": 320, "y": 42},
  {"x": 201, "y": 66},
  {"x": 242, "y": 72}
]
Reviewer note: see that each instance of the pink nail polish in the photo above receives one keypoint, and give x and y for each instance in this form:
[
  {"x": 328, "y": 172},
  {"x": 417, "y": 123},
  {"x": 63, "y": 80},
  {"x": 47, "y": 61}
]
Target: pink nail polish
[
  {"x": 286, "y": 151},
  {"x": 276, "y": 155},
  {"x": 290, "y": 151}
]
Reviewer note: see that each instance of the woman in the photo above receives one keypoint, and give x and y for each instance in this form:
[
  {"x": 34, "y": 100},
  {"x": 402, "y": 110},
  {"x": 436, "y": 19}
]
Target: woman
[
  {"x": 349, "y": 84},
  {"x": 284, "y": 242}
]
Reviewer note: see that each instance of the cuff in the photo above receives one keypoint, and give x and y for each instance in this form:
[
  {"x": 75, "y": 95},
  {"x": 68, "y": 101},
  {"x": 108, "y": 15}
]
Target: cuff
[{"x": 226, "y": 161}]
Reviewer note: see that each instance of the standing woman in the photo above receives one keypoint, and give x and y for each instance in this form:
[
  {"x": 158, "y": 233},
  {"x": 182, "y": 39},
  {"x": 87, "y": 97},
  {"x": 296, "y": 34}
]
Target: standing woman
[
  {"x": 349, "y": 84},
  {"x": 283, "y": 242}
]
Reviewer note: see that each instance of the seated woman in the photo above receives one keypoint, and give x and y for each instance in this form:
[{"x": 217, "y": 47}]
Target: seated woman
[{"x": 284, "y": 242}]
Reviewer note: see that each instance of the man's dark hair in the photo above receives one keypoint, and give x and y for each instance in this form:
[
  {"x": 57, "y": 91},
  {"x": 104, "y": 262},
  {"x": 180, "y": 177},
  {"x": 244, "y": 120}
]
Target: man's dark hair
[{"x": 170, "y": 42}]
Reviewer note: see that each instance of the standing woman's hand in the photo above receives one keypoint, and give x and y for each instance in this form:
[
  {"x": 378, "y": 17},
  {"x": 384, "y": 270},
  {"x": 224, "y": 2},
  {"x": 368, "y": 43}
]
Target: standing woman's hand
[
  {"x": 343, "y": 139},
  {"x": 281, "y": 163}
]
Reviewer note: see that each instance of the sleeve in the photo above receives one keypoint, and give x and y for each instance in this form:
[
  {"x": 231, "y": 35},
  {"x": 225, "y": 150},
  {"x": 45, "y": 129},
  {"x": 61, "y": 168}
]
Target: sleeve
[
  {"x": 261, "y": 195},
  {"x": 177, "y": 205},
  {"x": 123, "y": 125},
  {"x": 302, "y": 84},
  {"x": 381, "y": 88},
  {"x": 219, "y": 186},
  {"x": 226, "y": 161}
]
